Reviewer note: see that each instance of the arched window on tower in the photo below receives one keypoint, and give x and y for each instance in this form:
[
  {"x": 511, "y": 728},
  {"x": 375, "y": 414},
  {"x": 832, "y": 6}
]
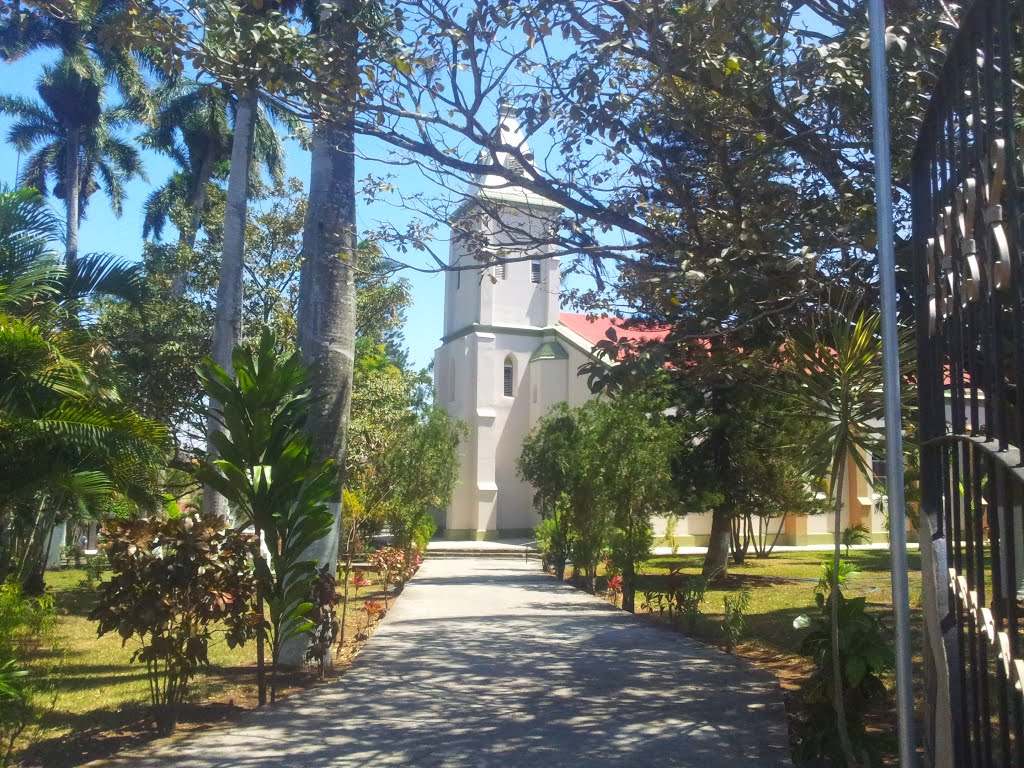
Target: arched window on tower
[{"x": 509, "y": 377}]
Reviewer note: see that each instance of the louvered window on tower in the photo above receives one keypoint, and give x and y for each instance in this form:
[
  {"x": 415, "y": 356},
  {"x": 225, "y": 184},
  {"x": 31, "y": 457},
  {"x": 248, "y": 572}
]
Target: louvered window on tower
[
  {"x": 499, "y": 271},
  {"x": 508, "y": 377},
  {"x": 534, "y": 271}
]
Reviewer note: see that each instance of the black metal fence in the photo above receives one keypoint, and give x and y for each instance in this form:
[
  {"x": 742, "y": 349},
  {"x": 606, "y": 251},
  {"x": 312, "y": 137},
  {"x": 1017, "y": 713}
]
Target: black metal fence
[{"x": 968, "y": 177}]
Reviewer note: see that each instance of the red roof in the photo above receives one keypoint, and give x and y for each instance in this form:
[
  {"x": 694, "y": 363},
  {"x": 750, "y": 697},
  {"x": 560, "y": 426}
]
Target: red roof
[{"x": 595, "y": 328}]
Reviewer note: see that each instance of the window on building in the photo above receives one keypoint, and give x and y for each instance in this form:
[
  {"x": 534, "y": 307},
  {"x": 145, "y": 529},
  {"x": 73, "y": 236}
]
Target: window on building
[
  {"x": 509, "y": 378},
  {"x": 451, "y": 381},
  {"x": 879, "y": 470},
  {"x": 534, "y": 271},
  {"x": 500, "y": 270},
  {"x": 458, "y": 279}
]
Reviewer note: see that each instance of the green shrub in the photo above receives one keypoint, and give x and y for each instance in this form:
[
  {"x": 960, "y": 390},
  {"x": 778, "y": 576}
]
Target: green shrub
[
  {"x": 734, "y": 623},
  {"x": 28, "y": 663},
  {"x": 688, "y": 597},
  {"x": 324, "y": 598},
  {"x": 94, "y": 567},
  {"x": 671, "y": 524},
  {"x": 847, "y": 570},
  {"x": 865, "y": 657},
  {"x": 268, "y": 470},
  {"x": 72, "y": 552},
  {"x": 173, "y": 582},
  {"x": 552, "y": 537}
]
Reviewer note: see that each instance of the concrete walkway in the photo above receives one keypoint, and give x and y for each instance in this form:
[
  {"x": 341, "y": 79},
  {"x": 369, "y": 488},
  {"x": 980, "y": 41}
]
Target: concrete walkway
[{"x": 490, "y": 663}]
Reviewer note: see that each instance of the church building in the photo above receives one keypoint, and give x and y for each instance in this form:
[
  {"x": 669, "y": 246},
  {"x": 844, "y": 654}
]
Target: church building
[{"x": 509, "y": 354}]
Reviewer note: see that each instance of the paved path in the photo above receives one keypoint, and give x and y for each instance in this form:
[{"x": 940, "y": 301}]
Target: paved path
[{"x": 490, "y": 663}]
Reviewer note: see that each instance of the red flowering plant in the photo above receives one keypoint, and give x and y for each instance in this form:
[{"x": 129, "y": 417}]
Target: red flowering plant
[
  {"x": 359, "y": 580},
  {"x": 374, "y": 610},
  {"x": 615, "y": 584},
  {"x": 389, "y": 562}
]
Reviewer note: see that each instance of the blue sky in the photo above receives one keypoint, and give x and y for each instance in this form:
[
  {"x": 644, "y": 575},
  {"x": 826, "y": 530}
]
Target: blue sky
[{"x": 102, "y": 231}]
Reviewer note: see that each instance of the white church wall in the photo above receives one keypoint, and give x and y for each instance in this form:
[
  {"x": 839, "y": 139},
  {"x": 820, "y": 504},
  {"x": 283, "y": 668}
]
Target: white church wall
[
  {"x": 462, "y": 291},
  {"x": 515, "y": 514},
  {"x": 453, "y": 364}
]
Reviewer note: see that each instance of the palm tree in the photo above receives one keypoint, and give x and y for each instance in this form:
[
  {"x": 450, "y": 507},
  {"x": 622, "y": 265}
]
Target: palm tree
[
  {"x": 66, "y": 441},
  {"x": 836, "y": 370},
  {"x": 73, "y": 138},
  {"x": 77, "y": 34},
  {"x": 193, "y": 127},
  {"x": 227, "y": 321}
]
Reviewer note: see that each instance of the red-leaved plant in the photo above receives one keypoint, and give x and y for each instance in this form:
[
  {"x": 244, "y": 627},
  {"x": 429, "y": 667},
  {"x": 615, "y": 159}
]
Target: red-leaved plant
[{"x": 174, "y": 582}]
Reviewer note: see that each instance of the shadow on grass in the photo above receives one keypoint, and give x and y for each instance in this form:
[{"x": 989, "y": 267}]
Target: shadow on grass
[{"x": 101, "y": 733}]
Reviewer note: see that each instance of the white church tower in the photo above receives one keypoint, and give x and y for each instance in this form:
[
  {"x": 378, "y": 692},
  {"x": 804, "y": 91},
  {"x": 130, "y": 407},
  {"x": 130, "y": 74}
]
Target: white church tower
[{"x": 496, "y": 367}]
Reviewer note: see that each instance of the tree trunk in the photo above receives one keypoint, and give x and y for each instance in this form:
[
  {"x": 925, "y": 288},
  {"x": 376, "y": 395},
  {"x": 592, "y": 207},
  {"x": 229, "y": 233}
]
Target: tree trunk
[
  {"x": 716, "y": 561},
  {"x": 628, "y": 587},
  {"x": 197, "y": 200},
  {"x": 72, "y": 190},
  {"x": 33, "y": 565},
  {"x": 196, "y": 203},
  {"x": 227, "y": 324},
  {"x": 838, "y": 689},
  {"x": 6, "y": 545},
  {"x": 327, "y": 313}
]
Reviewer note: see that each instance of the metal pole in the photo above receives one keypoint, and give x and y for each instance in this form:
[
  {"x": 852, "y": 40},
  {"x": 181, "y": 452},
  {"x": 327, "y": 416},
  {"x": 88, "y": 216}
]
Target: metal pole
[{"x": 891, "y": 380}]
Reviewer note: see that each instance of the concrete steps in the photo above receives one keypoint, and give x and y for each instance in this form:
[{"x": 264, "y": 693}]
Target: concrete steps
[
  {"x": 503, "y": 550},
  {"x": 500, "y": 554}
]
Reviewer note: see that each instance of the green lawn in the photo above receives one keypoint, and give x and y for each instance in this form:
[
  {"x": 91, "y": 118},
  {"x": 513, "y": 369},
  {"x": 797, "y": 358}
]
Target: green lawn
[
  {"x": 782, "y": 588},
  {"x": 103, "y": 699}
]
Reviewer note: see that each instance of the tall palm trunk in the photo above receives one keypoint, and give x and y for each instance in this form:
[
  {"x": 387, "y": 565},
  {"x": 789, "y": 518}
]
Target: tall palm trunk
[
  {"x": 196, "y": 202},
  {"x": 227, "y": 324},
  {"x": 72, "y": 189},
  {"x": 197, "y": 197}
]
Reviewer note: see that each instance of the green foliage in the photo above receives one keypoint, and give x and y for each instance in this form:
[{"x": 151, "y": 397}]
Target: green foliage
[
  {"x": 855, "y": 534},
  {"x": 175, "y": 582},
  {"x": 847, "y": 571},
  {"x": 600, "y": 472},
  {"x": 324, "y": 598},
  {"x": 553, "y": 539},
  {"x": 835, "y": 369},
  {"x": 671, "y": 524},
  {"x": 681, "y": 600},
  {"x": 68, "y": 444},
  {"x": 266, "y": 469},
  {"x": 688, "y": 598},
  {"x": 94, "y": 567},
  {"x": 864, "y": 657},
  {"x": 73, "y": 104},
  {"x": 29, "y": 661},
  {"x": 735, "y": 620},
  {"x": 73, "y": 552},
  {"x": 414, "y": 472}
]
